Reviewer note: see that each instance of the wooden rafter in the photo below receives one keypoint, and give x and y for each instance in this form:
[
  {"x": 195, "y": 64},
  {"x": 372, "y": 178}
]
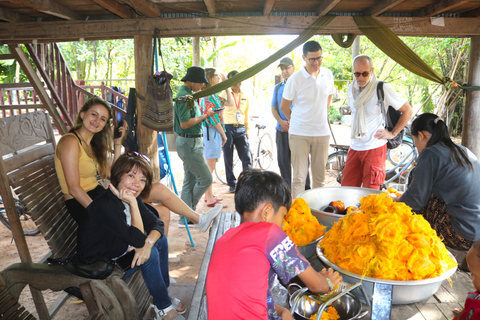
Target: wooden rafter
[
  {"x": 381, "y": 7},
  {"x": 472, "y": 13},
  {"x": 50, "y": 7},
  {"x": 439, "y": 7},
  {"x": 326, "y": 7},
  {"x": 10, "y": 16},
  {"x": 144, "y": 7},
  {"x": 210, "y": 4},
  {"x": 116, "y": 8},
  {"x": 268, "y": 7},
  {"x": 205, "y": 26}
]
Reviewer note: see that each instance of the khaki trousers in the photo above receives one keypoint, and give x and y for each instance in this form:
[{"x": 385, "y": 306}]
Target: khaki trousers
[{"x": 302, "y": 147}]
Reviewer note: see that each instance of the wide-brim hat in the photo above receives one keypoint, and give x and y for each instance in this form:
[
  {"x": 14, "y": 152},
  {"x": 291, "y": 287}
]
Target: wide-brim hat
[
  {"x": 195, "y": 74},
  {"x": 286, "y": 62}
]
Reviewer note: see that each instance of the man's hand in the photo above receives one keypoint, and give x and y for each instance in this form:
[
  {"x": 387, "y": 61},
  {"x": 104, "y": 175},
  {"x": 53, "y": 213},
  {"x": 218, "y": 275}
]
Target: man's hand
[
  {"x": 284, "y": 313},
  {"x": 285, "y": 125},
  {"x": 211, "y": 112},
  {"x": 334, "y": 276},
  {"x": 383, "y": 134}
]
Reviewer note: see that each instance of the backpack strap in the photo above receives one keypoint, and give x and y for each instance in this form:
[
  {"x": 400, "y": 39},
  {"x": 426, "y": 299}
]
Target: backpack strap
[{"x": 381, "y": 98}]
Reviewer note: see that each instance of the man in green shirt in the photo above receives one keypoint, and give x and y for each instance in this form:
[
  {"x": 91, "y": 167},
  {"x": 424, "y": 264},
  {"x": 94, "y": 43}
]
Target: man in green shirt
[{"x": 189, "y": 142}]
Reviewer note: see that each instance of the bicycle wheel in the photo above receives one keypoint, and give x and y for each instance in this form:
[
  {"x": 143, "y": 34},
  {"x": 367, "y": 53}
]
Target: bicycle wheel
[
  {"x": 334, "y": 170},
  {"x": 395, "y": 156},
  {"x": 220, "y": 167},
  {"x": 265, "y": 151},
  {"x": 28, "y": 225}
]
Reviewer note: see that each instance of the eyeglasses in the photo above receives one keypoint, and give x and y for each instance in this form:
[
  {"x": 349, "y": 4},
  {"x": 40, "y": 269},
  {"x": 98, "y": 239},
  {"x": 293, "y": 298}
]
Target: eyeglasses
[
  {"x": 364, "y": 74},
  {"x": 136, "y": 154},
  {"x": 313, "y": 60},
  {"x": 216, "y": 75},
  {"x": 285, "y": 68}
]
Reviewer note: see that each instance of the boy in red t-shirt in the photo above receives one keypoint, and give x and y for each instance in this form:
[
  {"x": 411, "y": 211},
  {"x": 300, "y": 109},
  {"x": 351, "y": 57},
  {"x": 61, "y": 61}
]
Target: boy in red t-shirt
[
  {"x": 471, "y": 311},
  {"x": 246, "y": 259}
]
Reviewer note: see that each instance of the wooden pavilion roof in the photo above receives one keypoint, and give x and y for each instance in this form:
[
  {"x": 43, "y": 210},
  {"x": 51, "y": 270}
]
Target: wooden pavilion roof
[{"x": 68, "y": 20}]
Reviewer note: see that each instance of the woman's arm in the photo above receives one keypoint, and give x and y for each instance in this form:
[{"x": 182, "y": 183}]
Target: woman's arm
[
  {"x": 117, "y": 146},
  {"x": 127, "y": 196},
  {"x": 143, "y": 254},
  {"x": 219, "y": 127},
  {"x": 68, "y": 151}
]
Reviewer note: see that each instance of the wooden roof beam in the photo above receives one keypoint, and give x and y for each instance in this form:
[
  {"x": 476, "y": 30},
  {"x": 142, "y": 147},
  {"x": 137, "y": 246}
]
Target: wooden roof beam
[
  {"x": 381, "y": 7},
  {"x": 326, "y": 7},
  {"x": 116, "y": 8},
  {"x": 144, "y": 7},
  {"x": 49, "y": 7},
  {"x": 475, "y": 13},
  {"x": 268, "y": 7},
  {"x": 438, "y": 8},
  {"x": 10, "y": 16},
  {"x": 210, "y": 4}
]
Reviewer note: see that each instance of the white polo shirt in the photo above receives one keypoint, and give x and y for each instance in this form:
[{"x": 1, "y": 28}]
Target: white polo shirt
[
  {"x": 310, "y": 96},
  {"x": 374, "y": 117}
]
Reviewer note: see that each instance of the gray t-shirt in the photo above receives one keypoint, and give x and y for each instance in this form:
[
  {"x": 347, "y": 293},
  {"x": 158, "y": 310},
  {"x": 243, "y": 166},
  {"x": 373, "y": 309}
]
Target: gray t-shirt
[{"x": 436, "y": 172}]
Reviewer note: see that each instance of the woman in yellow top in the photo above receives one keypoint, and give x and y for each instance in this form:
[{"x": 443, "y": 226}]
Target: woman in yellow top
[{"x": 82, "y": 156}]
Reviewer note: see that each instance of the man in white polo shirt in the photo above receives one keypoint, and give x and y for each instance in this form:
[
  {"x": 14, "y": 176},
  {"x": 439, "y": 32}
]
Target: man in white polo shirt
[{"x": 311, "y": 90}]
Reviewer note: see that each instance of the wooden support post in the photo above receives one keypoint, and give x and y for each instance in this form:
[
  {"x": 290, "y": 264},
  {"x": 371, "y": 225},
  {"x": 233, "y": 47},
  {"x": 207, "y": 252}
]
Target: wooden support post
[
  {"x": 471, "y": 115},
  {"x": 147, "y": 138},
  {"x": 196, "y": 52}
]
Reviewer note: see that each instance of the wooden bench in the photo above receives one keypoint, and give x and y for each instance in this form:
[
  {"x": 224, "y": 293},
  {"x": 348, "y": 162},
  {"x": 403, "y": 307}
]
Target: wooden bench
[
  {"x": 27, "y": 171},
  {"x": 224, "y": 221}
]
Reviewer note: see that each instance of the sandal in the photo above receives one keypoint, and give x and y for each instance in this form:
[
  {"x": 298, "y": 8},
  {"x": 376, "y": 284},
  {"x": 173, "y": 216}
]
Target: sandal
[
  {"x": 178, "y": 306},
  {"x": 213, "y": 204},
  {"x": 216, "y": 198},
  {"x": 160, "y": 313}
]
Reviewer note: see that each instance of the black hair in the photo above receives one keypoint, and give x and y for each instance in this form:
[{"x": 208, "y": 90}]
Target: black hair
[
  {"x": 232, "y": 73},
  {"x": 256, "y": 186},
  {"x": 311, "y": 46},
  {"x": 438, "y": 129}
]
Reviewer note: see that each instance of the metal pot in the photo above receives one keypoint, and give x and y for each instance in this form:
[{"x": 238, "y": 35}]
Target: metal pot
[
  {"x": 403, "y": 292},
  {"x": 319, "y": 198},
  {"x": 348, "y": 306},
  {"x": 308, "y": 250}
]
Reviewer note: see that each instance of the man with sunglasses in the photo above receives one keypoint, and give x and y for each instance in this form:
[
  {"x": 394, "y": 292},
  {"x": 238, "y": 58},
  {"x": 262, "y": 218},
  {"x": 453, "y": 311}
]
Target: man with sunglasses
[
  {"x": 281, "y": 138},
  {"x": 310, "y": 90},
  {"x": 366, "y": 157}
]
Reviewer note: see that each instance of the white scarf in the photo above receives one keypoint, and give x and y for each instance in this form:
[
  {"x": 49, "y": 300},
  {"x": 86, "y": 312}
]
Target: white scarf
[{"x": 359, "y": 125}]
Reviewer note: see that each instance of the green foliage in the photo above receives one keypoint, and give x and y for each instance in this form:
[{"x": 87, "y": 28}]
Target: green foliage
[{"x": 334, "y": 114}]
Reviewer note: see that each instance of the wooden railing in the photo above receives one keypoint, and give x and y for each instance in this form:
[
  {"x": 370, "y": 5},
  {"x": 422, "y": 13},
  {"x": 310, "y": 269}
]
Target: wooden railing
[{"x": 67, "y": 95}]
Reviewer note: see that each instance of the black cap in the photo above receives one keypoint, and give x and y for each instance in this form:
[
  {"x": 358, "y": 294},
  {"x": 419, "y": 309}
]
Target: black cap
[{"x": 195, "y": 74}]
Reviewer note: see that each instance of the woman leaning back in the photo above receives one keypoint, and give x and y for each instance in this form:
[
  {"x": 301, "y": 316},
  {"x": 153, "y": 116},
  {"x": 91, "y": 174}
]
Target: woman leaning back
[
  {"x": 445, "y": 185},
  {"x": 213, "y": 129},
  {"x": 82, "y": 156},
  {"x": 118, "y": 222}
]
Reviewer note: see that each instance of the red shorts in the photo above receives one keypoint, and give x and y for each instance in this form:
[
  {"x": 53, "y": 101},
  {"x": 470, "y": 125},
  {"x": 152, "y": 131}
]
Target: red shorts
[{"x": 365, "y": 168}]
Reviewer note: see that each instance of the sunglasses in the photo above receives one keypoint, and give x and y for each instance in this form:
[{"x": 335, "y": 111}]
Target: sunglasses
[
  {"x": 136, "y": 154},
  {"x": 364, "y": 74}
]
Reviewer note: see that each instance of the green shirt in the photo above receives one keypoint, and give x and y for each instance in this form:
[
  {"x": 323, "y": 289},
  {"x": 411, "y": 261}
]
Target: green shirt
[{"x": 182, "y": 114}]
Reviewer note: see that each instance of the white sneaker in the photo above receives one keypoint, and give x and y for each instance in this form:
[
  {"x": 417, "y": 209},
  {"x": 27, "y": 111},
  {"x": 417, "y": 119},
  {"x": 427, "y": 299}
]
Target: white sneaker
[{"x": 207, "y": 217}]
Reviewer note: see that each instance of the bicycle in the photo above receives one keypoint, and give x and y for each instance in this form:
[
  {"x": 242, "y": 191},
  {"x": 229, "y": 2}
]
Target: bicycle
[
  {"x": 261, "y": 153},
  {"x": 28, "y": 225}
]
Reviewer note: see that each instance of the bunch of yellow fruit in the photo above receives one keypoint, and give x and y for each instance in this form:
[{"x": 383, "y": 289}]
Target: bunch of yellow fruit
[
  {"x": 300, "y": 225},
  {"x": 384, "y": 239}
]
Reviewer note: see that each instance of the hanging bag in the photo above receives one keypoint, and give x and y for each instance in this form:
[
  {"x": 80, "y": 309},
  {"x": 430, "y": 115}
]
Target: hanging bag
[
  {"x": 391, "y": 118},
  {"x": 158, "y": 113}
]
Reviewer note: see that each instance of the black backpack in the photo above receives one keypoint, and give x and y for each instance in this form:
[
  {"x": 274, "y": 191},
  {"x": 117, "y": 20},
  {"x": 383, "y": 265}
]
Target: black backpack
[{"x": 391, "y": 118}]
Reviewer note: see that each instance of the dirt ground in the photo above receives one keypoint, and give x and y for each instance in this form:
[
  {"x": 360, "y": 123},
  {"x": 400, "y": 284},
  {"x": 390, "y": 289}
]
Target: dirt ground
[{"x": 184, "y": 259}]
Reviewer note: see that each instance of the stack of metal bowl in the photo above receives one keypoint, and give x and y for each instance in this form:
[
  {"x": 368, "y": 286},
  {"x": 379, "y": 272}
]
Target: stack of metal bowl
[{"x": 319, "y": 198}]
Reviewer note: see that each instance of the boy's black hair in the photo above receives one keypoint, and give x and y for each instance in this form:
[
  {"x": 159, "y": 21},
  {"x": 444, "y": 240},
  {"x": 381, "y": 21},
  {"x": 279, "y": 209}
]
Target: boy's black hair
[
  {"x": 255, "y": 187},
  {"x": 232, "y": 73},
  {"x": 311, "y": 46}
]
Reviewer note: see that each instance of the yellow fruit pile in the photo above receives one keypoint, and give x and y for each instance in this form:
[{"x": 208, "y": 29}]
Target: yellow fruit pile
[
  {"x": 385, "y": 240},
  {"x": 300, "y": 225},
  {"x": 330, "y": 314}
]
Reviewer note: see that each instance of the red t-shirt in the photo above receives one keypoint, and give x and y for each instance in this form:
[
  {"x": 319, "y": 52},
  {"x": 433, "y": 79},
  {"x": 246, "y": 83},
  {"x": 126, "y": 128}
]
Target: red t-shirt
[
  {"x": 243, "y": 266},
  {"x": 471, "y": 311}
]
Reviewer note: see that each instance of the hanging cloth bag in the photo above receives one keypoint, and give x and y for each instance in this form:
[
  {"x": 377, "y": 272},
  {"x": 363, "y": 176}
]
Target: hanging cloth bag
[{"x": 158, "y": 113}]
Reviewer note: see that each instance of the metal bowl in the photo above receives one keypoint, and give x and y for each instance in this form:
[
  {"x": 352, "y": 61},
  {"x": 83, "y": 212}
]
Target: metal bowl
[
  {"x": 348, "y": 307},
  {"x": 404, "y": 292},
  {"x": 308, "y": 250},
  {"x": 319, "y": 198}
]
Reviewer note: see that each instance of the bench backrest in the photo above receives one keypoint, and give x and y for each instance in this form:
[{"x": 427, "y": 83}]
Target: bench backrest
[{"x": 27, "y": 145}]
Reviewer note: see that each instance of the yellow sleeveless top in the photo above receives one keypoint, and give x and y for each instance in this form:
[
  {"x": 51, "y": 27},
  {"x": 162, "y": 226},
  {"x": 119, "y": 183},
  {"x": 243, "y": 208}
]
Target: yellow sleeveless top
[{"x": 87, "y": 169}]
